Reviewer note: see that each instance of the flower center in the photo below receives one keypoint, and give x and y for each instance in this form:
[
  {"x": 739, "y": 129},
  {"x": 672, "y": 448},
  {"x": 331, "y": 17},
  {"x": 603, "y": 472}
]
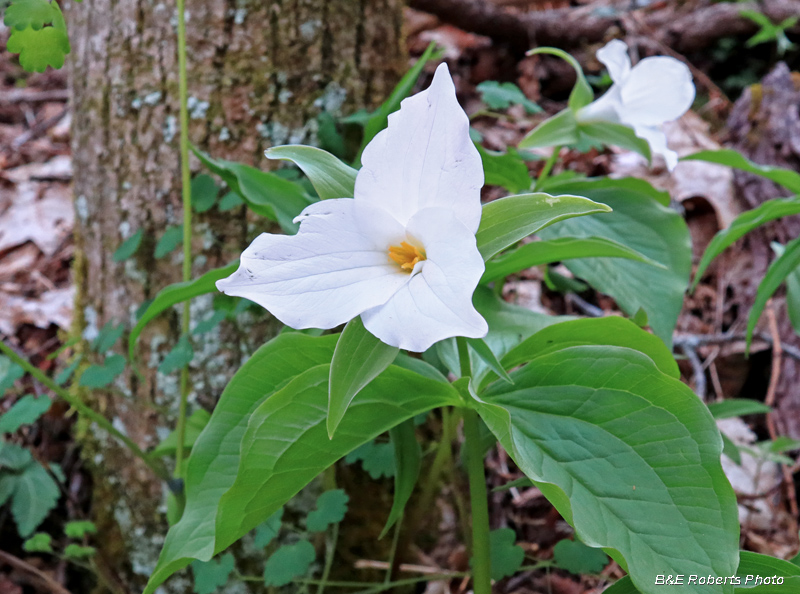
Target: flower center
[{"x": 406, "y": 255}]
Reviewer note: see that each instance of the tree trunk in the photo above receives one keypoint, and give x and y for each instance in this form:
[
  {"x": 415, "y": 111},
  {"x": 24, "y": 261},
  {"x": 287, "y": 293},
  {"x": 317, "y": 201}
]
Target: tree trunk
[{"x": 259, "y": 75}]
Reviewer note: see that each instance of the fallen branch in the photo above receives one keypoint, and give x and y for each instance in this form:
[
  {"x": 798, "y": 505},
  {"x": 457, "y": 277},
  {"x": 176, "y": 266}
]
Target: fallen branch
[{"x": 37, "y": 574}]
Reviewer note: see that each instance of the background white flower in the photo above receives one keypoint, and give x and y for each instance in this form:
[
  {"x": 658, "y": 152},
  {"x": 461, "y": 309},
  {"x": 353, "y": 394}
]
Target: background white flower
[
  {"x": 656, "y": 90},
  {"x": 402, "y": 254}
]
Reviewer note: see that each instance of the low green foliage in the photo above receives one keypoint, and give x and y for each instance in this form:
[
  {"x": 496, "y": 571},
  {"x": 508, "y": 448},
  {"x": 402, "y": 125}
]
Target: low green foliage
[
  {"x": 577, "y": 558},
  {"x": 331, "y": 508}
]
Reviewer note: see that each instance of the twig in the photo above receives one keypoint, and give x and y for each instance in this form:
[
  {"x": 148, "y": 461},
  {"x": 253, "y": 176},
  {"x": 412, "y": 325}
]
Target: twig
[
  {"x": 696, "y": 340},
  {"x": 53, "y": 585},
  {"x": 38, "y": 129},
  {"x": 698, "y": 371},
  {"x": 590, "y": 310},
  {"x": 14, "y": 96}
]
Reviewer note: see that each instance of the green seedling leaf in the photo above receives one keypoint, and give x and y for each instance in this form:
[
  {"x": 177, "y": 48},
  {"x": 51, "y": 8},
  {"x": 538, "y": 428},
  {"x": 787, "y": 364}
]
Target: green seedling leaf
[
  {"x": 42, "y": 47},
  {"x": 66, "y": 373},
  {"x": 229, "y": 201},
  {"x": 41, "y": 542},
  {"x": 266, "y": 532},
  {"x": 195, "y": 424},
  {"x": 204, "y": 192},
  {"x": 22, "y": 14},
  {"x": 289, "y": 562},
  {"x": 358, "y": 359},
  {"x": 731, "y": 450},
  {"x": 13, "y": 457},
  {"x": 171, "y": 239},
  {"x": 737, "y": 407},
  {"x": 99, "y": 376},
  {"x": 209, "y": 323},
  {"x": 9, "y": 373},
  {"x": 377, "y": 459},
  {"x": 506, "y": 557},
  {"x": 503, "y": 95},
  {"x": 25, "y": 411},
  {"x": 35, "y": 495},
  {"x": 523, "y": 482},
  {"x": 785, "y": 177},
  {"x": 407, "y": 463},
  {"x": 79, "y": 528},
  {"x": 330, "y": 177},
  {"x": 577, "y": 558},
  {"x": 507, "y": 220},
  {"x": 76, "y": 551},
  {"x": 209, "y": 576},
  {"x": 331, "y": 508},
  {"x": 180, "y": 356},
  {"x": 507, "y": 170},
  {"x": 128, "y": 247},
  {"x": 107, "y": 337}
]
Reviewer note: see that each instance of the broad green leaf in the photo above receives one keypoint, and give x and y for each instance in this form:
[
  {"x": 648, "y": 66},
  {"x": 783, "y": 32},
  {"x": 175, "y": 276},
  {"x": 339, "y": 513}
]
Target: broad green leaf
[
  {"x": 608, "y": 133},
  {"x": 99, "y": 376},
  {"x": 556, "y": 131},
  {"x": 204, "y": 192},
  {"x": 785, "y": 177},
  {"x": 331, "y": 508},
  {"x": 214, "y": 462},
  {"x": 737, "y": 407},
  {"x": 41, "y": 542},
  {"x": 633, "y": 185},
  {"x": 614, "y": 443},
  {"x": 169, "y": 241},
  {"x": 267, "y": 531},
  {"x": 537, "y": 253},
  {"x": 777, "y": 272},
  {"x": 25, "y": 411},
  {"x": 266, "y": 194},
  {"x": 76, "y": 551},
  {"x": 743, "y": 224},
  {"x": 107, "y": 337},
  {"x": 9, "y": 373},
  {"x": 506, "y": 556},
  {"x": 229, "y": 201},
  {"x": 485, "y": 352},
  {"x": 128, "y": 247},
  {"x": 358, "y": 359},
  {"x": 289, "y": 562},
  {"x": 331, "y": 178},
  {"x": 498, "y": 95},
  {"x": 35, "y": 14},
  {"x": 377, "y": 459},
  {"x": 577, "y": 558},
  {"x": 507, "y": 220},
  {"x": 507, "y": 170},
  {"x": 581, "y": 94},
  {"x": 209, "y": 323},
  {"x": 67, "y": 372},
  {"x": 180, "y": 356},
  {"x": 47, "y": 46},
  {"x": 35, "y": 495},
  {"x": 79, "y": 528},
  {"x": 731, "y": 450},
  {"x": 176, "y": 293},
  {"x": 639, "y": 222},
  {"x": 195, "y": 424},
  {"x": 13, "y": 457},
  {"x": 407, "y": 463},
  {"x": 211, "y": 575}
]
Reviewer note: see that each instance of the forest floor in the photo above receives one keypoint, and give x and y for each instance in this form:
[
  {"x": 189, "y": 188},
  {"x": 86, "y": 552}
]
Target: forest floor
[{"x": 36, "y": 250}]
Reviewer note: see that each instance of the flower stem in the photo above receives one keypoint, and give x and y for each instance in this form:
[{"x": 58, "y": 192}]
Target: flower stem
[
  {"x": 548, "y": 167},
  {"x": 187, "y": 226},
  {"x": 83, "y": 409}
]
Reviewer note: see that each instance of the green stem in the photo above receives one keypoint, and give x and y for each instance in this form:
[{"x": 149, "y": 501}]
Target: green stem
[
  {"x": 83, "y": 409},
  {"x": 393, "y": 550},
  {"x": 548, "y": 167},
  {"x": 187, "y": 226}
]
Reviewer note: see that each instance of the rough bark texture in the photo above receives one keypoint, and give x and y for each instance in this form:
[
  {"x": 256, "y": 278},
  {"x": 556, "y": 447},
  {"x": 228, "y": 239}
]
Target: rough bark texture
[{"x": 259, "y": 74}]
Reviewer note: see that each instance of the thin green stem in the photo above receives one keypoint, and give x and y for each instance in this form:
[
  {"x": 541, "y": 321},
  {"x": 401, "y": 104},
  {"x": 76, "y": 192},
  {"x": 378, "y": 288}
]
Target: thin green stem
[
  {"x": 393, "y": 550},
  {"x": 548, "y": 167},
  {"x": 186, "y": 193},
  {"x": 83, "y": 409},
  {"x": 330, "y": 552}
]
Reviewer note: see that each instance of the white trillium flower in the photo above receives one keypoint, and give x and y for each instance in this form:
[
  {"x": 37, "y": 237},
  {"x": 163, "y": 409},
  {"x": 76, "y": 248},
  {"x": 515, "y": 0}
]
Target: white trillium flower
[
  {"x": 402, "y": 253},
  {"x": 656, "y": 90}
]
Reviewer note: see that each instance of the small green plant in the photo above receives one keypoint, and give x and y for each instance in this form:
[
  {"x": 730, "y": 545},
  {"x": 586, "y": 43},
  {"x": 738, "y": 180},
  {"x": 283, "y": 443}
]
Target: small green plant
[{"x": 771, "y": 32}]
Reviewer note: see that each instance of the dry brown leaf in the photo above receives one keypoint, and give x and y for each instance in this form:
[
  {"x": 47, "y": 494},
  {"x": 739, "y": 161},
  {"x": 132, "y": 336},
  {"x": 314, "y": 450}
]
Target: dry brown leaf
[
  {"x": 52, "y": 307},
  {"x": 38, "y": 212}
]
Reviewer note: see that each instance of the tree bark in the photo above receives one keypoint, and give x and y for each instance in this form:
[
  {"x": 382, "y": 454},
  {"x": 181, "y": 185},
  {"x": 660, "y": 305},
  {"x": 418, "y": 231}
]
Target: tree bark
[{"x": 259, "y": 75}]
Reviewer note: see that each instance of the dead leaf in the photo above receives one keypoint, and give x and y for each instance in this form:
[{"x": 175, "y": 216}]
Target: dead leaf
[
  {"x": 52, "y": 307},
  {"x": 38, "y": 212}
]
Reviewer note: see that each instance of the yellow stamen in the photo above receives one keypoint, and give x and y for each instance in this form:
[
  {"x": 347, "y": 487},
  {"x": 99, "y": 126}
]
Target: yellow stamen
[{"x": 406, "y": 255}]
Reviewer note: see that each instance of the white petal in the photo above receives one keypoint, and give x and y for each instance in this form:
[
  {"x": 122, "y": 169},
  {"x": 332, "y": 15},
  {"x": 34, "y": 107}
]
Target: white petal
[
  {"x": 614, "y": 55},
  {"x": 605, "y": 109},
  {"x": 437, "y": 302},
  {"x": 658, "y": 144},
  {"x": 336, "y": 267},
  {"x": 424, "y": 158},
  {"x": 657, "y": 90}
]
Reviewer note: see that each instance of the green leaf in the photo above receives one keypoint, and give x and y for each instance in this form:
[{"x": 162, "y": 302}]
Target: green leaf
[
  {"x": 731, "y": 450},
  {"x": 180, "y": 356},
  {"x": 99, "y": 376},
  {"x": 128, "y": 247},
  {"x": 107, "y": 337},
  {"x": 581, "y": 94},
  {"x": 67, "y": 372},
  {"x": 506, "y": 556},
  {"x": 377, "y": 459},
  {"x": 35, "y": 495},
  {"x": 209, "y": 323},
  {"x": 289, "y": 562},
  {"x": 195, "y": 424},
  {"x": 171, "y": 239},
  {"x": 737, "y": 407},
  {"x": 613, "y": 443},
  {"x": 211, "y": 575},
  {"x": 76, "y": 551},
  {"x": 503, "y": 95},
  {"x": 331, "y": 178},
  {"x": 608, "y": 133},
  {"x": 79, "y": 528},
  {"x": 331, "y": 508},
  {"x": 777, "y": 272},
  {"x": 485, "y": 352},
  {"x": 785, "y": 177},
  {"x": 25, "y": 411},
  {"x": 266, "y": 194},
  {"x": 14, "y": 457},
  {"x": 358, "y": 359},
  {"x": 743, "y": 224},
  {"x": 407, "y": 463},
  {"x": 41, "y": 542},
  {"x": 268, "y": 530},
  {"x": 507, "y": 170},
  {"x": 639, "y": 222},
  {"x": 558, "y": 130},
  {"x": 204, "y": 192},
  {"x": 176, "y": 293},
  {"x": 537, "y": 253},
  {"x": 229, "y": 201},
  {"x": 577, "y": 558},
  {"x": 35, "y": 14},
  {"x": 44, "y": 47},
  {"x": 507, "y": 220},
  {"x": 9, "y": 373}
]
